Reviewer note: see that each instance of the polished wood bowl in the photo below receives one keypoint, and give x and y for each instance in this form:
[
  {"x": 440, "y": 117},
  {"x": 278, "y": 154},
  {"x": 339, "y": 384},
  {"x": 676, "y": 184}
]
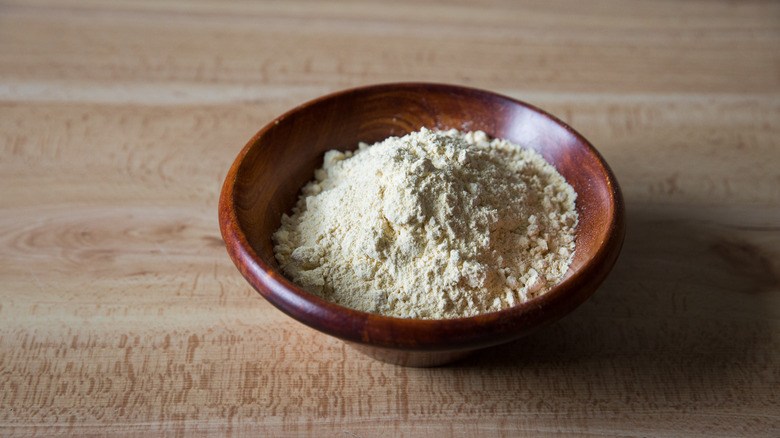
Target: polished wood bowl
[{"x": 265, "y": 179}]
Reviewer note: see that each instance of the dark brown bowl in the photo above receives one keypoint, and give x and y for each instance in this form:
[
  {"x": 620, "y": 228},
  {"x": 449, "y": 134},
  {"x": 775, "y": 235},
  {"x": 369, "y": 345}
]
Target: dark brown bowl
[{"x": 266, "y": 177}]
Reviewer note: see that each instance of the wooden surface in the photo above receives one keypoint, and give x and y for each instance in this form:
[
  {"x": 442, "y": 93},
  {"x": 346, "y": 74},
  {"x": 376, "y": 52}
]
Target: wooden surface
[{"x": 121, "y": 313}]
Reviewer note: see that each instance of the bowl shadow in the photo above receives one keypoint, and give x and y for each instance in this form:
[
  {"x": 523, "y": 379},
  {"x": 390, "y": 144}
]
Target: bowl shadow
[{"x": 687, "y": 304}]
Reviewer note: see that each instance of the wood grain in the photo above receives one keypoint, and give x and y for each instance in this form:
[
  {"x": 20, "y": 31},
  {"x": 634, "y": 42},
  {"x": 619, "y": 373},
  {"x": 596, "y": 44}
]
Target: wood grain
[{"x": 121, "y": 313}]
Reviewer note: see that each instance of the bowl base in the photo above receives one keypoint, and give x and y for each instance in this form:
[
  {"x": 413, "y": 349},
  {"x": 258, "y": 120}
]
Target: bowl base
[{"x": 411, "y": 358}]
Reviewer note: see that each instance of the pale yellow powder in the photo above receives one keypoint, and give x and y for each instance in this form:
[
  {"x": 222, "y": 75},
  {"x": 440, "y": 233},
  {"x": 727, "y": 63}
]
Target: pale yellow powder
[{"x": 430, "y": 225}]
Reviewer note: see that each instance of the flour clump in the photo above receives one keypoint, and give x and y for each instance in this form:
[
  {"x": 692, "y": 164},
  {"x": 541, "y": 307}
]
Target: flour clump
[{"x": 430, "y": 225}]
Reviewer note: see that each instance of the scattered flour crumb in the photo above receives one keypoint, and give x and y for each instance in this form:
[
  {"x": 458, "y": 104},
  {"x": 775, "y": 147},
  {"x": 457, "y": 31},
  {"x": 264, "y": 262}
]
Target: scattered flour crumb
[{"x": 431, "y": 225}]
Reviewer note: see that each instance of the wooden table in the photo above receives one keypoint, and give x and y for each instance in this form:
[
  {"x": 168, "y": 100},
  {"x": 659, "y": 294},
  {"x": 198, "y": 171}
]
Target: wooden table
[{"x": 121, "y": 313}]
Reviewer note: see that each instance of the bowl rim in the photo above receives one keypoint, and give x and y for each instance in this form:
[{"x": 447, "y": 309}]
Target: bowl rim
[{"x": 420, "y": 334}]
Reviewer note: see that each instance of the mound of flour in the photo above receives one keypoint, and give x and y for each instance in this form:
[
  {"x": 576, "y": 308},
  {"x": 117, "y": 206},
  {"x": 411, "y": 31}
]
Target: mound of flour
[{"x": 430, "y": 225}]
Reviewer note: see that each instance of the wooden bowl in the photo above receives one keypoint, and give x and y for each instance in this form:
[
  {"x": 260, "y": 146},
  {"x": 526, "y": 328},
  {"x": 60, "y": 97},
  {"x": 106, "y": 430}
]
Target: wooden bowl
[{"x": 265, "y": 179}]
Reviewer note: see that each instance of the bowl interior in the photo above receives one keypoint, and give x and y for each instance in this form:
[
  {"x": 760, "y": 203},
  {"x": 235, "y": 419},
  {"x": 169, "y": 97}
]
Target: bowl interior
[{"x": 265, "y": 181}]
